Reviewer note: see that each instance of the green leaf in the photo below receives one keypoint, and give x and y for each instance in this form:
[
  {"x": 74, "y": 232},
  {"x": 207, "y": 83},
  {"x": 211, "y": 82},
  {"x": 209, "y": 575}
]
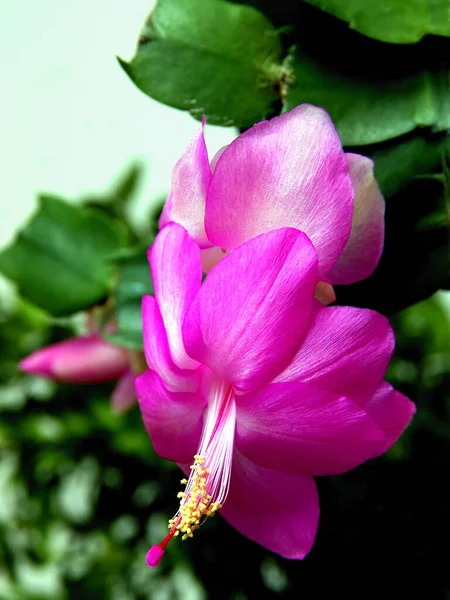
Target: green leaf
[
  {"x": 399, "y": 161},
  {"x": 394, "y": 21},
  {"x": 118, "y": 198},
  {"x": 416, "y": 259},
  {"x": 59, "y": 261},
  {"x": 134, "y": 281},
  {"x": 210, "y": 58},
  {"x": 390, "y": 91}
]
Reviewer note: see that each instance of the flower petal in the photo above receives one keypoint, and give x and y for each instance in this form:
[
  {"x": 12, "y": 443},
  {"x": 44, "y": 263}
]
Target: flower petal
[
  {"x": 346, "y": 351},
  {"x": 365, "y": 244},
  {"x": 290, "y": 171},
  {"x": 166, "y": 214},
  {"x": 298, "y": 428},
  {"x": 277, "y": 510},
  {"x": 253, "y": 308},
  {"x": 177, "y": 276},
  {"x": 173, "y": 420},
  {"x": 157, "y": 353},
  {"x": 190, "y": 180},
  {"x": 391, "y": 410},
  {"x": 124, "y": 394},
  {"x": 216, "y": 157}
]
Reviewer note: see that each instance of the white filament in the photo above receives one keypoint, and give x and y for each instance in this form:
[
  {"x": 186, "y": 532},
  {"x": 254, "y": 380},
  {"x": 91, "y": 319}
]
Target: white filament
[{"x": 216, "y": 444}]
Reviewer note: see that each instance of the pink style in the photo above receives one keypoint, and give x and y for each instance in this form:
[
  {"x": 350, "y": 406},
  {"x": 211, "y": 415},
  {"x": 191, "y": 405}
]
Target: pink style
[
  {"x": 253, "y": 390},
  {"x": 290, "y": 171}
]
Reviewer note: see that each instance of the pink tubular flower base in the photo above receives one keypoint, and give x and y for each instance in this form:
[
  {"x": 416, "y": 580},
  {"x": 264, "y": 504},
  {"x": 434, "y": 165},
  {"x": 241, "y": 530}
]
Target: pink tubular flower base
[{"x": 253, "y": 390}]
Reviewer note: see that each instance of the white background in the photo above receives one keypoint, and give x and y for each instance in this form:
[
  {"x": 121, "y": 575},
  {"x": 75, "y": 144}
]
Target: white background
[{"x": 70, "y": 118}]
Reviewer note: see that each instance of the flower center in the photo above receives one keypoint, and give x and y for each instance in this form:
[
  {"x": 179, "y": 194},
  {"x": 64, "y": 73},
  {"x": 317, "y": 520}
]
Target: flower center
[{"x": 209, "y": 480}]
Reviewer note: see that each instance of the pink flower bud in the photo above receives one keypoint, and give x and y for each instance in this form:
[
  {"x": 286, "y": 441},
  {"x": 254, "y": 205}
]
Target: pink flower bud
[{"x": 85, "y": 359}]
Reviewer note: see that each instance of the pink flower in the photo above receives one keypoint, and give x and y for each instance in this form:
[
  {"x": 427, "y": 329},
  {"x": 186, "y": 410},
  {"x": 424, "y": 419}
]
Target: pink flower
[
  {"x": 256, "y": 389},
  {"x": 290, "y": 171},
  {"x": 86, "y": 359}
]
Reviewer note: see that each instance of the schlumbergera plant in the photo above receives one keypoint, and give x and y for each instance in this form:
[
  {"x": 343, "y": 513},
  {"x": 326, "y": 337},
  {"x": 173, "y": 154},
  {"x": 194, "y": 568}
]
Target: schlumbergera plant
[{"x": 257, "y": 344}]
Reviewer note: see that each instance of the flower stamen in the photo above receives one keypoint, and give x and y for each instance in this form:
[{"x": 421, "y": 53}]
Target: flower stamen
[
  {"x": 195, "y": 503},
  {"x": 208, "y": 483}
]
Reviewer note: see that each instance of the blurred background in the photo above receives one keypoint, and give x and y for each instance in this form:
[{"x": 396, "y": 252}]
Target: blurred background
[{"x": 82, "y": 494}]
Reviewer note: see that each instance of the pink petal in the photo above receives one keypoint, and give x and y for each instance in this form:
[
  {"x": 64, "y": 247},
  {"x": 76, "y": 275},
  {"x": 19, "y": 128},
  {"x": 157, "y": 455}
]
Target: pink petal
[
  {"x": 173, "y": 419},
  {"x": 216, "y": 157},
  {"x": 166, "y": 214},
  {"x": 391, "y": 410},
  {"x": 157, "y": 353},
  {"x": 365, "y": 244},
  {"x": 346, "y": 351},
  {"x": 253, "y": 308},
  {"x": 177, "y": 276},
  {"x": 190, "y": 180},
  {"x": 85, "y": 359},
  {"x": 300, "y": 428},
  {"x": 124, "y": 394},
  {"x": 277, "y": 510},
  {"x": 290, "y": 171}
]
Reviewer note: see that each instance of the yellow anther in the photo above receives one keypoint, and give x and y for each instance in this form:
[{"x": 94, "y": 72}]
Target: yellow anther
[{"x": 195, "y": 502}]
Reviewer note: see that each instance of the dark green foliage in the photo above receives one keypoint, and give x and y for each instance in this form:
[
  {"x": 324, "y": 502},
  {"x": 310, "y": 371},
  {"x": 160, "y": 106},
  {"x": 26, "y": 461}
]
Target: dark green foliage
[
  {"x": 134, "y": 281},
  {"x": 390, "y": 91},
  {"x": 416, "y": 258},
  {"x": 393, "y": 21},
  {"x": 225, "y": 62}
]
